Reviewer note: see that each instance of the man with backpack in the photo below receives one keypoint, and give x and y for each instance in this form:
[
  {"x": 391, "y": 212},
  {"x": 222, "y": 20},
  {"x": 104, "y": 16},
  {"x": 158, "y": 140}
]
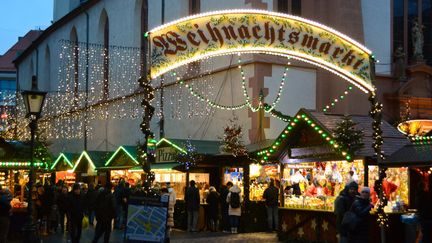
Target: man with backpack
[
  {"x": 343, "y": 204},
  {"x": 192, "y": 199},
  {"x": 234, "y": 200},
  {"x": 271, "y": 196},
  {"x": 105, "y": 212}
]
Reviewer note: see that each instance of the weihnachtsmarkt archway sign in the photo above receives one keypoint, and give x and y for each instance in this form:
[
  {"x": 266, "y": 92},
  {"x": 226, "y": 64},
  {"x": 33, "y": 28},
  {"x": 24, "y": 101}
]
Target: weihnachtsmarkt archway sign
[{"x": 232, "y": 31}]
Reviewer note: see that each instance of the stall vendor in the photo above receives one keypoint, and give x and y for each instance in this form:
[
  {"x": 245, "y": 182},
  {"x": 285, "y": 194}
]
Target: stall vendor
[{"x": 319, "y": 187}]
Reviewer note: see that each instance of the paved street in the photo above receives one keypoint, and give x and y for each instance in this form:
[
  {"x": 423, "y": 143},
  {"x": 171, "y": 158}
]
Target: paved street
[{"x": 177, "y": 236}]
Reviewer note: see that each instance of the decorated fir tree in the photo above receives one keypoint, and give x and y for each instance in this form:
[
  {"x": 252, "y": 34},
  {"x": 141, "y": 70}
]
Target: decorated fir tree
[
  {"x": 232, "y": 142},
  {"x": 188, "y": 159},
  {"x": 349, "y": 138}
]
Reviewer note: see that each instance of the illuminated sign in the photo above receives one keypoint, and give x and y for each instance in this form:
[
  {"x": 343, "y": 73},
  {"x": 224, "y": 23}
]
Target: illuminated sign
[{"x": 225, "y": 32}]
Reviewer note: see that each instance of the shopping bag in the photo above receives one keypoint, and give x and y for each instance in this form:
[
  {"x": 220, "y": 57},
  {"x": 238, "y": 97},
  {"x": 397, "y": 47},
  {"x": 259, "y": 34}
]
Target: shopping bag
[
  {"x": 85, "y": 222},
  {"x": 350, "y": 221}
]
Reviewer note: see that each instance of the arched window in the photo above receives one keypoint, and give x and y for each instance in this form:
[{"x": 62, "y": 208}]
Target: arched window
[
  {"x": 104, "y": 29},
  {"x": 75, "y": 64}
]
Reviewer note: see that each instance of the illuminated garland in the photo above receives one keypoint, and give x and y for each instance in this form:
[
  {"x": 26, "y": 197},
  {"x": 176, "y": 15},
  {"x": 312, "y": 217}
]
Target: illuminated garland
[
  {"x": 336, "y": 100},
  {"x": 277, "y": 114},
  {"x": 266, "y": 153}
]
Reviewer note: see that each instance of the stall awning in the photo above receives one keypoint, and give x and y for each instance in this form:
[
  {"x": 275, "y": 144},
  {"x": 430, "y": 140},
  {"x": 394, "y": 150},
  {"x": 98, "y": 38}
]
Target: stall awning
[
  {"x": 411, "y": 155},
  {"x": 64, "y": 162},
  {"x": 158, "y": 166},
  {"x": 17, "y": 155},
  {"x": 91, "y": 160},
  {"x": 124, "y": 156}
]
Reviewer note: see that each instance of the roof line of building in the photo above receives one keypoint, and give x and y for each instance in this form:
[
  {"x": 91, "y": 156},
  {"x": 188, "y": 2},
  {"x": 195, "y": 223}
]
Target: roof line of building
[{"x": 52, "y": 28}]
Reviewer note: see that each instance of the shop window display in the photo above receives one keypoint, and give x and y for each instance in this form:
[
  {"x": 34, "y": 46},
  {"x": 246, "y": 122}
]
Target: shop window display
[
  {"x": 316, "y": 185},
  {"x": 235, "y": 175},
  {"x": 260, "y": 175}
]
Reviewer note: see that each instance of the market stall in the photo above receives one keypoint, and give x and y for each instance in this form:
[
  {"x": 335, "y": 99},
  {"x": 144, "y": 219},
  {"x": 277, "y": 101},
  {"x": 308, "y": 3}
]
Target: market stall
[
  {"x": 314, "y": 171},
  {"x": 87, "y": 167},
  {"x": 120, "y": 166},
  {"x": 62, "y": 167}
]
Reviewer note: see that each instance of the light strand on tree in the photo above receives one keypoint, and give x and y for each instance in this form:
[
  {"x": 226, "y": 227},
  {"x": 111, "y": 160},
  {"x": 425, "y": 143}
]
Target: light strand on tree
[{"x": 336, "y": 100}]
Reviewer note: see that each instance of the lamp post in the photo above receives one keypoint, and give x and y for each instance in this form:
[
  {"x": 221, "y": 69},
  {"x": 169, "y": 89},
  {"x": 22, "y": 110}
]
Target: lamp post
[{"x": 33, "y": 100}]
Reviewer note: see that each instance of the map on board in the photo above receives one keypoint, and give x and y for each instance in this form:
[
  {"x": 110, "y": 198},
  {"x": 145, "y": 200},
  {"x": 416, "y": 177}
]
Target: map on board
[{"x": 146, "y": 220}]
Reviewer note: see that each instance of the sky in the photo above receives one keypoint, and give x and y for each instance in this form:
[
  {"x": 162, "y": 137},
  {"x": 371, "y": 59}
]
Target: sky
[{"x": 17, "y": 17}]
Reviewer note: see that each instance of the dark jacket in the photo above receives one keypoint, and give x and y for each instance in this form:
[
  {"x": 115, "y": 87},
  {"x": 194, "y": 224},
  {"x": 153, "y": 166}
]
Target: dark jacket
[
  {"x": 423, "y": 203},
  {"x": 271, "y": 196},
  {"x": 62, "y": 202},
  {"x": 342, "y": 204},
  {"x": 90, "y": 198},
  {"x": 105, "y": 206},
  {"x": 5, "y": 206},
  {"x": 76, "y": 207},
  {"x": 192, "y": 199},
  {"x": 213, "y": 204},
  {"x": 361, "y": 208},
  {"x": 223, "y": 197}
]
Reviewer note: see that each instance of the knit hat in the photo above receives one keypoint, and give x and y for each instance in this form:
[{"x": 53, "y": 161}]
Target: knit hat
[
  {"x": 353, "y": 184},
  {"x": 365, "y": 189}
]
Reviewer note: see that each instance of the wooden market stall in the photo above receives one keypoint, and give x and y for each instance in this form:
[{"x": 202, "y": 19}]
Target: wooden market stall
[
  {"x": 62, "y": 167},
  {"x": 88, "y": 165},
  {"x": 313, "y": 172}
]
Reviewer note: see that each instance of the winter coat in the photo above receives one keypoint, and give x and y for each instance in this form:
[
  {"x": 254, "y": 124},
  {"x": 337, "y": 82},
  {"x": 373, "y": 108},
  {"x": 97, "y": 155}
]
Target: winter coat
[
  {"x": 223, "y": 198},
  {"x": 213, "y": 205},
  {"x": 5, "y": 207},
  {"x": 342, "y": 204},
  {"x": 171, "y": 205},
  {"x": 104, "y": 206},
  {"x": 192, "y": 199},
  {"x": 90, "y": 198},
  {"x": 271, "y": 196},
  {"x": 361, "y": 208},
  {"x": 76, "y": 207},
  {"x": 423, "y": 201},
  {"x": 62, "y": 202},
  {"x": 234, "y": 211}
]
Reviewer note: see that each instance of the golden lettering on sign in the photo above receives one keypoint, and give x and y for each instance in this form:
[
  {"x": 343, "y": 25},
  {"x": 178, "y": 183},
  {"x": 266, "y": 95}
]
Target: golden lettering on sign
[{"x": 196, "y": 38}]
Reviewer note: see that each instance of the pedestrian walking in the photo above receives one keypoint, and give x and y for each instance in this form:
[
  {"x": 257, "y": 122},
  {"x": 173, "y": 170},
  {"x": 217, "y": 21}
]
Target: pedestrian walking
[
  {"x": 225, "y": 206},
  {"x": 105, "y": 213},
  {"x": 271, "y": 196},
  {"x": 213, "y": 208},
  {"x": 90, "y": 199},
  {"x": 5, "y": 213},
  {"x": 423, "y": 201},
  {"x": 119, "y": 195},
  {"x": 62, "y": 203},
  {"x": 234, "y": 200},
  {"x": 76, "y": 209},
  {"x": 192, "y": 199},
  {"x": 361, "y": 207},
  {"x": 342, "y": 204}
]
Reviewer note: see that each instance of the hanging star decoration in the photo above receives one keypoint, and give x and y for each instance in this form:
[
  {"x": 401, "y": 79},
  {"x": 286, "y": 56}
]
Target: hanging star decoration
[
  {"x": 314, "y": 224},
  {"x": 325, "y": 225},
  {"x": 297, "y": 218},
  {"x": 300, "y": 232}
]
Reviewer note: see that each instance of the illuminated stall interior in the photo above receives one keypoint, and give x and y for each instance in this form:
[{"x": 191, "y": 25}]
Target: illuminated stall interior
[
  {"x": 63, "y": 166},
  {"x": 314, "y": 170},
  {"x": 260, "y": 176},
  {"x": 87, "y": 166},
  {"x": 119, "y": 166}
]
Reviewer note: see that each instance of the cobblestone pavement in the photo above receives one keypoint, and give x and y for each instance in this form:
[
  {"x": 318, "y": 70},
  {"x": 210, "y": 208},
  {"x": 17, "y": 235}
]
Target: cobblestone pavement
[{"x": 176, "y": 237}]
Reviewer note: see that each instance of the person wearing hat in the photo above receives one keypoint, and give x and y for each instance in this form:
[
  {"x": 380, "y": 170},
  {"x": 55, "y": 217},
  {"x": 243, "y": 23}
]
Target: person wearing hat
[
  {"x": 361, "y": 207},
  {"x": 76, "y": 209},
  {"x": 343, "y": 204}
]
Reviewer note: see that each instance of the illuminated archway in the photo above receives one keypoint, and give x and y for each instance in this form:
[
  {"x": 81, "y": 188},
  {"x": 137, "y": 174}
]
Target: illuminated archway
[{"x": 256, "y": 31}]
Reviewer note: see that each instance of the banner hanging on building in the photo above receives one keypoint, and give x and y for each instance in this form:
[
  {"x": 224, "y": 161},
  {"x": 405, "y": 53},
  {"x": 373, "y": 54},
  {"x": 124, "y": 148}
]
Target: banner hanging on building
[{"x": 226, "y": 32}]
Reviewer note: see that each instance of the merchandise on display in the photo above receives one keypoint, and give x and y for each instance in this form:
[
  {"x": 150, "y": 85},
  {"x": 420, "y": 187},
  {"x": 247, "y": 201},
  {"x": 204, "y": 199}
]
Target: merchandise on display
[{"x": 260, "y": 176}]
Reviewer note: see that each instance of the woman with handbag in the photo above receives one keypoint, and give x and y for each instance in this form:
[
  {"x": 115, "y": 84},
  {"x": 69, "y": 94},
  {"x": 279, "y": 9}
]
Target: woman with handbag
[{"x": 361, "y": 208}]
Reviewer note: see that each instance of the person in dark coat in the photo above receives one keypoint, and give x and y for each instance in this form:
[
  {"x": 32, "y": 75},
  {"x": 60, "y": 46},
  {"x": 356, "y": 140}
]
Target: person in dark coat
[
  {"x": 271, "y": 196},
  {"x": 343, "y": 204},
  {"x": 62, "y": 203},
  {"x": 423, "y": 202},
  {"x": 213, "y": 208},
  {"x": 192, "y": 199},
  {"x": 5, "y": 212},
  {"x": 225, "y": 207},
  {"x": 76, "y": 208},
  {"x": 361, "y": 207},
  {"x": 119, "y": 195},
  {"x": 90, "y": 198},
  {"x": 105, "y": 213}
]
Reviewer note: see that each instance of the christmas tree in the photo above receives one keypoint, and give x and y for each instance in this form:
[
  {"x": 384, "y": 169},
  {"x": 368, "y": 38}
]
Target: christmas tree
[
  {"x": 188, "y": 159},
  {"x": 232, "y": 139},
  {"x": 348, "y": 137}
]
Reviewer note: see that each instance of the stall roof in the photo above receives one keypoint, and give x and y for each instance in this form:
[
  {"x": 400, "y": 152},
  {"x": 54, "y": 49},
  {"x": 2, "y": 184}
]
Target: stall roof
[
  {"x": 202, "y": 146},
  {"x": 96, "y": 159},
  {"x": 416, "y": 154},
  {"x": 157, "y": 166},
  {"x": 323, "y": 124},
  {"x": 69, "y": 158},
  {"x": 130, "y": 151},
  {"x": 17, "y": 155}
]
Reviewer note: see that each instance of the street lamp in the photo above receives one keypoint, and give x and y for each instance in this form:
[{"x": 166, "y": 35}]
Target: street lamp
[{"x": 33, "y": 100}]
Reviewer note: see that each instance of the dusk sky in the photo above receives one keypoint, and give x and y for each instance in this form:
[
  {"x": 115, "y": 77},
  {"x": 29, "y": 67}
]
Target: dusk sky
[{"x": 20, "y": 16}]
